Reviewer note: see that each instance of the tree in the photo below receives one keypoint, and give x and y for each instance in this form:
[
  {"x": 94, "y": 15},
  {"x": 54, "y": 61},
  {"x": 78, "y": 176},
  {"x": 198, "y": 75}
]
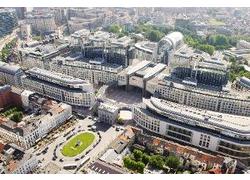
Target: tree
[
  {"x": 137, "y": 154},
  {"x": 156, "y": 161},
  {"x": 115, "y": 28},
  {"x": 154, "y": 35},
  {"x": 206, "y": 48},
  {"x": 133, "y": 165},
  {"x": 145, "y": 158},
  {"x": 140, "y": 167},
  {"x": 172, "y": 162},
  {"x": 16, "y": 116}
]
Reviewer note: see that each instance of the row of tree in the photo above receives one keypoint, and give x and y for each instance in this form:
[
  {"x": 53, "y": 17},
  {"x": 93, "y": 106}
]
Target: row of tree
[
  {"x": 138, "y": 160},
  {"x": 151, "y": 32},
  {"x": 7, "y": 50}
]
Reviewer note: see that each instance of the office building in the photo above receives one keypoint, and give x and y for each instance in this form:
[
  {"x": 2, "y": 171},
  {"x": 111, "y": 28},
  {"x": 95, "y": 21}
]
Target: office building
[
  {"x": 64, "y": 88},
  {"x": 10, "y": 74},
  {"x": 219, "y": 132}
]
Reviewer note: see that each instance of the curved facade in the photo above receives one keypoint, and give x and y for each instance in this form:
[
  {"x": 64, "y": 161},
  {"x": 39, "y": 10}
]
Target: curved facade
[
  {"x": 223, "y": 102},
  {"x": 61, "y": 87},
  {"x": 222, "y": 133},
  {"x": 171, "y": 41},
  {"x": 243, "y": 83}
]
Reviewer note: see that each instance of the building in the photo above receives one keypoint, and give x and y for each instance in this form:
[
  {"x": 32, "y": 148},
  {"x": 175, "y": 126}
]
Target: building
[
  {"x": 204, "y": 97},
  {"x": 218, "y": 132},
  {"x": 9, "y": 97},
  {"x": 242, "y": 44},
  {"x": 200, "y": 161},
  {"x": 168, "y": 45},
  {"x": 138, "y": 74},
  {"x": 97, "y": 71},
  {"x": 207, "y": 72},
  {"x": 243, "y": 84},
  {"x": 25, "y": 32},
  {"x": 10, "y": 74},
  {"x": 145, "y": 50},
  {"x": 108, "y": 113},
  {"x": 33, "y": 127},
  {"x": 8, "y": 21},
  {"x": 41, "y": 23},
  {"x": 64, "y": 88},
  {"x": 21, "y": 12},
  {"x": 14, "y": 160},
  {"x": 162, "y": 51},
  {"x": 39, "y": 54}
]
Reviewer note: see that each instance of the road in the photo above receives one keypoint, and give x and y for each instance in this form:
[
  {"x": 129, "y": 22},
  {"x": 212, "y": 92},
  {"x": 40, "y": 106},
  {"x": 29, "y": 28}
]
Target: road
[
  {"x": 8, "y": 39},
  {"x": 108, "y": 134}
]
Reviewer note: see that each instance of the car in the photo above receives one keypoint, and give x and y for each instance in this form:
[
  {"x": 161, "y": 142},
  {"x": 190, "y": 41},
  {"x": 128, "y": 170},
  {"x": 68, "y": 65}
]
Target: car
[
  {"x": 54, "y": 158},
  {"x": 89, "y": 126},
  {"x": 61, "y": 160},
  {"x": 117, "y": 129}
]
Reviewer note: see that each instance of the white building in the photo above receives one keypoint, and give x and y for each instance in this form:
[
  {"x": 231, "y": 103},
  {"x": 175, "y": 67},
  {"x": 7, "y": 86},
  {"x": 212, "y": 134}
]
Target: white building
[
  {"x": 222, "y": 133},
  {"x": 232, "y": 102},
  {"x": 10, "y": 74},
  {"x": 44, "y": 23},
  {"x": 16, "y": 161},
  {"x": 95, "y": 71},
  {"x": 108, "y": 113},
  {"x": 64, "y": 88},
  {"x": 34, "y": 127}
]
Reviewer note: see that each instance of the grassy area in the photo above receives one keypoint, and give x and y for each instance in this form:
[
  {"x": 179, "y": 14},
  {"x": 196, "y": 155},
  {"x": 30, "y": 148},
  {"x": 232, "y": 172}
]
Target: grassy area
[
  {"x": 215, "y": 22},
  {"x": 78, "y": 144},
  {"x": 14, "y": 113}
]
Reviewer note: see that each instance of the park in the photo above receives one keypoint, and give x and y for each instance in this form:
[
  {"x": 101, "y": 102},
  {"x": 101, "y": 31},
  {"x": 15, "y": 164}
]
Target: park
[{"x": 78, "y": 144}]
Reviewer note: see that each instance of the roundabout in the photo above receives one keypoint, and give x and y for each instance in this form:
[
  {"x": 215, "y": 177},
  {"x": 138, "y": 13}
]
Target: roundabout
[{"x": 77, "y": 144}]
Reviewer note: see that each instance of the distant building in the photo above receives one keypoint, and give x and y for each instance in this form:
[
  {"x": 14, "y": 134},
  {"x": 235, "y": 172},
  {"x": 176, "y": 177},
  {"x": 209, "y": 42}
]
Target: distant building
[
  {"x": 10, "y": 74},
  {"x": 242, "y": 44},
  {"x": 8, "y": 21},
  {"x": 138, "y": 74},
  {"x": 243, "y": 84},
  {"x": 25, "y": 30},
  {"x": 21, "y": 12},
  {"x": 41, "y": 23}
]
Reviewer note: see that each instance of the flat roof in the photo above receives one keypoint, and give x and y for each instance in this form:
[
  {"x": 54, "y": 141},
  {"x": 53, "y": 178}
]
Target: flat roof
[
  {"x": 239, "y": 124},
  {"x": 55, "y": 76}
]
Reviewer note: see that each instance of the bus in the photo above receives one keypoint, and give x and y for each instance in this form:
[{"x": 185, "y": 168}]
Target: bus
[
  {"x": 85, "y": 160},
  {"x": 69, "y": 166}
]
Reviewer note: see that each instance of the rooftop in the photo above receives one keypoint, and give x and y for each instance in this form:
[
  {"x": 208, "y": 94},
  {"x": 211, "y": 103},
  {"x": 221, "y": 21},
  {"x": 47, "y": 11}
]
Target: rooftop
[
  {"x": 9, "y": 68},
  {"x": 210, "y": 119},
  {"x": 108, "y": 107},
  {"x": 55, "y": 77},
  {"x": 165, "y": 80}
]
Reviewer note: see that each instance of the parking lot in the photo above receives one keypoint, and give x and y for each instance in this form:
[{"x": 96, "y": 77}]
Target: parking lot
[{"x": 103, "y": 168}]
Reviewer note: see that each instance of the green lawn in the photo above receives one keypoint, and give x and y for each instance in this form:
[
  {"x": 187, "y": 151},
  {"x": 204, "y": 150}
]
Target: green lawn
[
  {"x": 215, "y": 22},
  {"x": 78, "y": 144}
]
